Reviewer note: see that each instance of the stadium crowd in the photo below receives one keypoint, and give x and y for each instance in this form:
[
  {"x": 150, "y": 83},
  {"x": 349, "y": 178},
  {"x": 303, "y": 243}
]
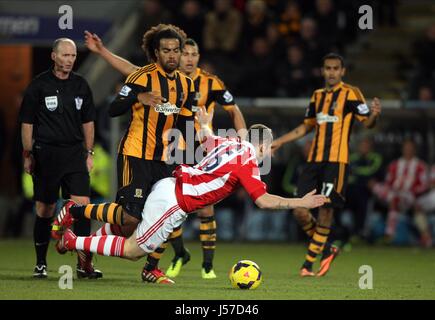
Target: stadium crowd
[
  {"x": 422, "y": 83},
  {"x": 247, "y": 40}
]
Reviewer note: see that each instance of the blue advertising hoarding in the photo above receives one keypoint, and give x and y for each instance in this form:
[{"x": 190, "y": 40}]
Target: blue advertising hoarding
[{"x": 34, "y": 29}]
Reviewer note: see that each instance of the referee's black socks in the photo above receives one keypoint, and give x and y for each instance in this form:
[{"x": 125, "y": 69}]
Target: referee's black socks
[{"x": 41, "y": 238}]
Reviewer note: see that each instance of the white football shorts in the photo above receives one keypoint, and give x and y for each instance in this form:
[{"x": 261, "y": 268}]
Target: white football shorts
[
  {"x": 160, "y": 216},
  {"x": 427, "y": 201}
]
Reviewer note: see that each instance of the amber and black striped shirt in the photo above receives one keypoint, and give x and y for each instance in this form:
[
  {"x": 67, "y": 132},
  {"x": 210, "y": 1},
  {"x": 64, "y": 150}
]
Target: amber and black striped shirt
[
  {"x": 209, "y": 91},
  {"x": 147, "y": 134},
  {"x": 332, "y": 112}
]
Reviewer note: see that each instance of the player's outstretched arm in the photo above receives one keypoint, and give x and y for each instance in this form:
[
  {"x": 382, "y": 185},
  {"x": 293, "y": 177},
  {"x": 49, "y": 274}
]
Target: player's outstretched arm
[
  {"x": 95, "y": 44},
  {"x": 295, "y": 134},
  {"x": 310, "y": 200},
  {"x": 238, "y": 119}
]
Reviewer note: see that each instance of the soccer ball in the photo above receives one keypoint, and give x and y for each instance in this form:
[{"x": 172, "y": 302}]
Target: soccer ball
[{"x": 245, "y": 274}]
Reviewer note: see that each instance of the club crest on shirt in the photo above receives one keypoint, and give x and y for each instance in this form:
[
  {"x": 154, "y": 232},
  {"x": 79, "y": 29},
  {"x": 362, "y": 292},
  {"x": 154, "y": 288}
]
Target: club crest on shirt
[
  {"x": 51, "y": 103},
  {"x": 167, "y": 108},
  {"x": 197, "y": 96},
  {"x": 138, "y": 193},
  {"x": 79, "y": 102}
]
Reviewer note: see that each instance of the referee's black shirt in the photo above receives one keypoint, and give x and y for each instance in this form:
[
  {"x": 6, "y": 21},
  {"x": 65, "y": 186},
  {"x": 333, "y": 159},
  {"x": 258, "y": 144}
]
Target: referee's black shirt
[{"x": 57, "y": 108}]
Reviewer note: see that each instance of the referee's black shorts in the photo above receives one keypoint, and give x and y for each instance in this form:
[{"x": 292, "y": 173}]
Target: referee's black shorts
[
  {"x": 59, "y": 167},
  {"x": 328, "y": 178},
  {"x": 135, "y": 179}
]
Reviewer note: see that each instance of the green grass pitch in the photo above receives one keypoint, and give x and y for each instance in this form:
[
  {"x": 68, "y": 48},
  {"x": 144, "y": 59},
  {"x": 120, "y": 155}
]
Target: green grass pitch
[{"x": 398, "y": 273}]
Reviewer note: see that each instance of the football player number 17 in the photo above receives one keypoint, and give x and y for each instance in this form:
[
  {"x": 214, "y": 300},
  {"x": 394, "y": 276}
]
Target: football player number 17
[{"x": 327, "y": 188}]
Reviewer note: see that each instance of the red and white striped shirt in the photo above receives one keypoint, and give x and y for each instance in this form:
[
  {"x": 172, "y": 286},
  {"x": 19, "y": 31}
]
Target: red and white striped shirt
[
  {"x": 229, "y": 163},
  {"x": 408, "y": 175}
]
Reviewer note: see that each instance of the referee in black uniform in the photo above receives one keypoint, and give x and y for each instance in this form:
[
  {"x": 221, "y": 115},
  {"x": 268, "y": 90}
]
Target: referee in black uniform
[{"x": 57, "y": 126}]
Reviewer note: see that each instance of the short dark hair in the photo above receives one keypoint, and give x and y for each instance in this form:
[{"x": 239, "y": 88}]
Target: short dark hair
[
  {"x": 333, "y": 56},
  {"x": 151, "y": 38},
  {"x": 191, "y": 42},
  {"x": 259, "y": 134}
]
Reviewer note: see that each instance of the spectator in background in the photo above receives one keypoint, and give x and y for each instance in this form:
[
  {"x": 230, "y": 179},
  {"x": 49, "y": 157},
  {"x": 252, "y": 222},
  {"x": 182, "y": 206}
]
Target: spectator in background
[
  {"x": 152, "y": 13},
  {"x": 222, "y": 28},
  {"x": 406, "y": 180},
  {"x": 348, "y": 17},
  {"x": 425, "y": 98},
  {"x": 277, "y": 44},
  {"x": 365, "y": 164},
  {"x": 426, "y": 202},
  {"x": 386, "y": 12},
  {"x": 257, "y": 78},
  {"x": 424, "y": 51},
  {"x": 327, "y": 22},
  {"x": 293, "y": 76},
  {"x": 313, "y": 48},
  {"x": 207, "y": 66},
  {"x": 255, "y": 22},
  {"x": 425, "y": 94},
  {"x": 289, "y": 22},
  {"x": 191, "y": 20},
  {"x": 424, "y": 70},
  {"x": 275, "y": 6},
  {"x": 421, "y": 91}
]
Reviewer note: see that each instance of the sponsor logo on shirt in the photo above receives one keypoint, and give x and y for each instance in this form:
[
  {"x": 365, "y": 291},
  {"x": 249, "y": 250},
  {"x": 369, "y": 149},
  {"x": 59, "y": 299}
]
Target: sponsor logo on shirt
[
  {"x": 167, "y": 108},
  {"x": 322, "y": 118}
]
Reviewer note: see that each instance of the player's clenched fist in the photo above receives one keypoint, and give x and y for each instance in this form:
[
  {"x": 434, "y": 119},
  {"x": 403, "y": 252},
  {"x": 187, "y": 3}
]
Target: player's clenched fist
[{"x": 375, "y": 107}]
